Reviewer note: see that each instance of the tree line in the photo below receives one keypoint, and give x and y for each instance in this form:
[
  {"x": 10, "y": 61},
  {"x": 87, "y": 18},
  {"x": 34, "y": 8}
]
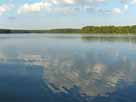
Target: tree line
[
  {"x": 86, "y": 29},
  {"x": 109, "y": 29}
]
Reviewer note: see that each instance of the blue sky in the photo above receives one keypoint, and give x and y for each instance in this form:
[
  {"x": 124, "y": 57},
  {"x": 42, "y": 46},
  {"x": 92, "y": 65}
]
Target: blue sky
[{"x": 46, "y": 14}]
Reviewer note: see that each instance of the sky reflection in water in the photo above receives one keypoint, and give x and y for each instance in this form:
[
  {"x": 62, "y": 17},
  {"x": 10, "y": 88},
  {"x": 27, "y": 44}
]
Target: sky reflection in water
[{"x": 96, "y": 69}]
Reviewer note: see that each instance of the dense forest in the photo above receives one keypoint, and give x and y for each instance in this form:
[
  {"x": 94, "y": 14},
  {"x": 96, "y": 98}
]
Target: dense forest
[
  {"x": 87, "y": 29},
  {"x": 109, "y": 29}
]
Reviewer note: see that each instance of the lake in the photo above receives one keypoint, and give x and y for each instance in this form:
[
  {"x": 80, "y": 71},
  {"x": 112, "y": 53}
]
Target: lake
[{"x": 67, "y": 68}]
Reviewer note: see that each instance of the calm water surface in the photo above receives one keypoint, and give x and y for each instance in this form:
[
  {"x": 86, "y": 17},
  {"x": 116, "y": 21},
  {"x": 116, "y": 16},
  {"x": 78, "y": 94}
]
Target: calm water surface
[{"x": 67, "y": 68}]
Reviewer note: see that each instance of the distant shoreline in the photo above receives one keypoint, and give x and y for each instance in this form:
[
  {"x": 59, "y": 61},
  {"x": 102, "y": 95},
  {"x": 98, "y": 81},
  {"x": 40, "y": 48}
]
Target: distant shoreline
[{"x": 100, "y": 30}]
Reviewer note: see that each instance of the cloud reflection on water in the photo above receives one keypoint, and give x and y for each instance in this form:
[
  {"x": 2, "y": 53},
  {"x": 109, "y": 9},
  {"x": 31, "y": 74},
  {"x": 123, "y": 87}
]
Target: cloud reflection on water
[{"x": 97, "y": 70}]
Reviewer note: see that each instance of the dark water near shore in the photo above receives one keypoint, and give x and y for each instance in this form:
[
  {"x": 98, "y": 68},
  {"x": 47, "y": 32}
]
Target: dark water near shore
[{"x": 67, "y": 68}]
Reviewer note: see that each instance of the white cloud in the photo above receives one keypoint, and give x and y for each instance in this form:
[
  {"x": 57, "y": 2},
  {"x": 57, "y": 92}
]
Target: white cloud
[
  {"x": 62, "y": 1},
  {"x": 70, "y": 1},
  {"x": 116, "y": 11},
  {"x": 120, "y": 10},
  {"x": 126, "y": 7},
  {"x": 3, "y": 8},
  {"x": 133, "y": 1},
  {"x": 68, "y": 6},
  {"x": 63, "y": 6},
  {"x": 100, "y": 0},
  {"x": 35, "y": 7}
]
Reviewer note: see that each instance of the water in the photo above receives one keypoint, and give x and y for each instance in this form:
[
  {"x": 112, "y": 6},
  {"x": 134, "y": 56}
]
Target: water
[{"x": 67, "y": 68}]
